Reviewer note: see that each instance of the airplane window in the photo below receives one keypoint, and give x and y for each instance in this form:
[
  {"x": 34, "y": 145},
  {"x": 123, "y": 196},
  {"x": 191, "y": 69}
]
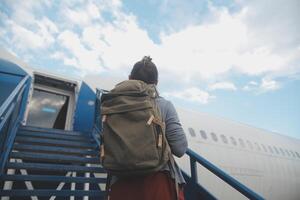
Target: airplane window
[
  {"x": 203, "y": 134},
  {"x": 276, "y": 150},
  {"x": 257, "y": 146},
  {"x": 214, "y": 136},
  {"x": 249, "y": 144},
  {"x": 265, "y": 149},
  {"x": 293, "y": 154},
  {"x": 297, "y": 154},
  {"x": 270, "y": 149},
  {"x": 224, "y": 139},
  {"x": 192, "y": 132},
  {"x": 241, "y": 143},
  {"x": 233, "y": 141},
  {"x": 281, "y": 150},
  {"x": 287, "y": 152}
]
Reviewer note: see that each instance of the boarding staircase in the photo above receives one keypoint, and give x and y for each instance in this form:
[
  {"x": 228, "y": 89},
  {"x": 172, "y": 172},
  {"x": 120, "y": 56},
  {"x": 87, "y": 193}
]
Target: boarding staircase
[
  {"x": 49, "y": 163},
  {"x": 40, "y": 163}
]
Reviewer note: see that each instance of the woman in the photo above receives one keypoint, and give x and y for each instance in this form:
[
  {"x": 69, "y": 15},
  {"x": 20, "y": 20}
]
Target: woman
[{"x": 160, "y": 185}]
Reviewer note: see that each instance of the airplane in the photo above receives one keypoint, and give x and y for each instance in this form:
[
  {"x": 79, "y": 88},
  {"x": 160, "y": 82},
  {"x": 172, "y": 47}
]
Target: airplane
[{"x": 266, "y": 162}]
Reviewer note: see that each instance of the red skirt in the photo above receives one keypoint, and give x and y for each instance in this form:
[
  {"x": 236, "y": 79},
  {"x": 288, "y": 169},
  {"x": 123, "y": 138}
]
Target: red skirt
[{"x": 157, "y": 186}]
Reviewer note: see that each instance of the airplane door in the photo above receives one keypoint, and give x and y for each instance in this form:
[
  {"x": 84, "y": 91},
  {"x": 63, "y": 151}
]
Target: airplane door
[
  {"x": 52, "y": 103},
  {"x": 48, "y": 110}
]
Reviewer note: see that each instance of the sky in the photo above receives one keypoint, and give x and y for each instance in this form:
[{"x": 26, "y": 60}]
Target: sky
[{"x": 236, "y": 59}]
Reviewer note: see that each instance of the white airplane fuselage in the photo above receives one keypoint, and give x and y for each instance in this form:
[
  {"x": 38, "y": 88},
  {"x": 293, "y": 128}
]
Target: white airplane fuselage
[{"x": 266, "y": 162}]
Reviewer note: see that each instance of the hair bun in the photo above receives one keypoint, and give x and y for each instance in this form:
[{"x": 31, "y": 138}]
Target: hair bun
[{"x": 146, "y": 59}]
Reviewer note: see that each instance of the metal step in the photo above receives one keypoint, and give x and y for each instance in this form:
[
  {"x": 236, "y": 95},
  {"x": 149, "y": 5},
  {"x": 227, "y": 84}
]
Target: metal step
[
  {"x": 54, "y": 142},
  {"x": 55, "y": 150},
  {"x": 42, "y": 157},
  {"x": 51, "y": 130},
  {"x": 47, "y": 178},
  {"x": 26, "y": 133},
  {"x": 46, "y": 154},
  {"x": 48, "y": 193},
  {"x": 54, "y": 167}
]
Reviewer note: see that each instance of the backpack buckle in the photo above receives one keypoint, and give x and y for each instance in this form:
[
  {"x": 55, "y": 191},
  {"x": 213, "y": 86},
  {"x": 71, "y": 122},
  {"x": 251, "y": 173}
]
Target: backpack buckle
[
  {"x": 102, "y": 153},
  {"x": 149, "y": 122},
  {"x": 159, "y": 143},
  {"x": 104, "y": 117}
]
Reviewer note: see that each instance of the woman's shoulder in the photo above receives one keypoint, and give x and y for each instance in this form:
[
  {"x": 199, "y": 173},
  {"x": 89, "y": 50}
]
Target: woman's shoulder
[
  {"x": 165, "y": 106},
  {"x": 163, "y": 101}
]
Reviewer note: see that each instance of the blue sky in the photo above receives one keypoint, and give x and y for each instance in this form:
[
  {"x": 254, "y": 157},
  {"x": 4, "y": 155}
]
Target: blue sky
[{"x": 236, "y": 59}]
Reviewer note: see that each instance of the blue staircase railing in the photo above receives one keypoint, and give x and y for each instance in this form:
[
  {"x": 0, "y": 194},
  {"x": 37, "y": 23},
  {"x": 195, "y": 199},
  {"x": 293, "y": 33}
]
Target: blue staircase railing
[
  {"x": 97, "y": 118},
  {"x": 11, "y": 115},
  {"x": 193, "y": 179}
]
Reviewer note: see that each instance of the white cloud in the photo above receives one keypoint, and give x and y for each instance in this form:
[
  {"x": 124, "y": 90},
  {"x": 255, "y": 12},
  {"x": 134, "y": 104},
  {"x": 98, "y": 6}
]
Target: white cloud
[
  {"x": 265, "y": 85},
  {"x": 47, "y": 25},
  {"x": 253, "y": 83},
  {"x": 27, "y": 39},
  {"x": 23, "y": 12},
  {"x": 268, "y": 84},
  {"x": 223, "y": 86},
  {"x": 191, "y": 94},
  {"x": 25, "y": 30},
  {"x": 102, "y": 81},
  {"x": 82, "y": 16},
  {"x": 123, "y": 43},
  {"x": 204, "y": 50},
  {"x": 57, "y": 55},
  {"x": 250, "y": 86},
  {"x": 229, "y": 42},
  {"x": 71, "y": 62},
  {"x": 210, "y": 50},
  {"x": 66, "y": 60},
  {"x": 93, "y": 11},
  {"x": 83, "y": 58},
  {"x": 201, "y": 51}
]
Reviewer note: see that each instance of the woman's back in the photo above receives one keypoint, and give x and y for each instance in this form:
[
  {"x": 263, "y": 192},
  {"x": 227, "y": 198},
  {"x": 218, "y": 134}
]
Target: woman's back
[{"x": 160, "y": 185}]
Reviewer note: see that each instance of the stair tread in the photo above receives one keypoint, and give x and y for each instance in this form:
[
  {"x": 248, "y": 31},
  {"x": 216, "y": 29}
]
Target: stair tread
[
  {"x": 54, "y": 142},
  {"x": 50, "y": 130},
  {"x": 54, "y": 167},
  {"x": 50, "y": 178},
  {"x": 26, "y": 133},
  {"x": 44, "y": 192},
  {"x": 45, "y": 157},
  {"x": 54, "y": 149}
]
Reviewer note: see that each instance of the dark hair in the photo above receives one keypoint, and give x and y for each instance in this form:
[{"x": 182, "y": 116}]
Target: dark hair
[{"x": 145, "y": 70}]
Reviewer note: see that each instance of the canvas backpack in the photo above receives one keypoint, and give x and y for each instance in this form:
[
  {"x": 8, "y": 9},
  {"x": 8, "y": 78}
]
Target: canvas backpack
[{"x": 133, "y": 137}]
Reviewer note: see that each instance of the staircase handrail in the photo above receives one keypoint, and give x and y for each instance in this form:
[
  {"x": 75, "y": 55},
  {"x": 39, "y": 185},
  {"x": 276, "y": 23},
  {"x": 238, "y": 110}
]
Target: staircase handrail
[
  {"x": 196, "y": 158},
  {"x": 97, "y": 127},
  {"x": 11, "y": 114},
  {"x": 12, "y": 96}
]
